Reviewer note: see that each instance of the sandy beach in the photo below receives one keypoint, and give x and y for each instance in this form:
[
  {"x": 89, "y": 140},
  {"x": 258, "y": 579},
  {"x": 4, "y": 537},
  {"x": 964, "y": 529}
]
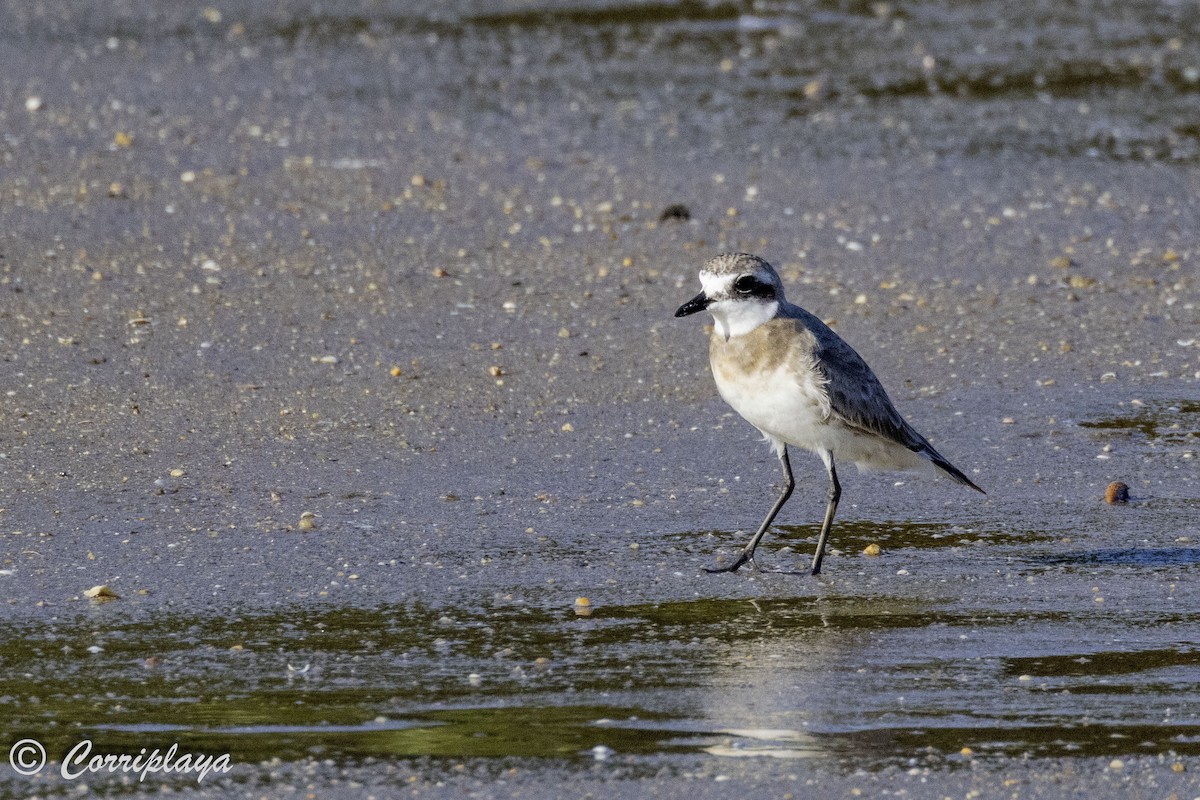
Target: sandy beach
[{"x": 339, "y": 346}]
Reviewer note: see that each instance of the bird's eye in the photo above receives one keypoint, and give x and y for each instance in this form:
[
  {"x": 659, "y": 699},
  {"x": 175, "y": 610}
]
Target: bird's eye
[{"x": 744, "y": 284}]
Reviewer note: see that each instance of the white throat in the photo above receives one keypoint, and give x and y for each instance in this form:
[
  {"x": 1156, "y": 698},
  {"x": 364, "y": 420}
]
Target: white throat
[{"x": 737, "y": 317}]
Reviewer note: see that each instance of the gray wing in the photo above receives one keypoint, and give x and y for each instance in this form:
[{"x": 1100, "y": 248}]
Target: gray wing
[
  {"x": 855, "y": 395},
  {"x": 858, "y": 398}
]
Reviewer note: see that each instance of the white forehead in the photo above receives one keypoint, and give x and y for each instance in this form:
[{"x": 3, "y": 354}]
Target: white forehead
[{"x": 715, "y": 284}]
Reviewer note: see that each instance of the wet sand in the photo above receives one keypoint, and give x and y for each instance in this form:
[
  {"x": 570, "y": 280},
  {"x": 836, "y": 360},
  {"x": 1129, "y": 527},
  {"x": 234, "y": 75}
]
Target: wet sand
[{"x": 407, "y": 273}]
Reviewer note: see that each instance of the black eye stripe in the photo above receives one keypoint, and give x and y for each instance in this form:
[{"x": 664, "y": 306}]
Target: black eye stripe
[{"x": 750, "y": 286}]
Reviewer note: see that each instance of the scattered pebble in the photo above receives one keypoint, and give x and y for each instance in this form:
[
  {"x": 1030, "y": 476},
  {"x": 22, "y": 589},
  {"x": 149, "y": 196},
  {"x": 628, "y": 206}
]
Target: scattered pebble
[
  {"x": 475, "y": 679},
  {"x": 676, "y": 212},
  {"x": 102, "y": 593},
  {"x": 1116, "y": 493},
  {"x": 601, "y": 752},
  {"x": 34, "y": 103}
]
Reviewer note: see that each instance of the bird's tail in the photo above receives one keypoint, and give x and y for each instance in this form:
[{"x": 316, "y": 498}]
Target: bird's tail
[{"x": 953, "y": 472}]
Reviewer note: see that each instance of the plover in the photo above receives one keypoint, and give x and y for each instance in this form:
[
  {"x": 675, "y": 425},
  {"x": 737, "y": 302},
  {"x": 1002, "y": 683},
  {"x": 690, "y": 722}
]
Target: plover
[{"x": 800, "y": 384}]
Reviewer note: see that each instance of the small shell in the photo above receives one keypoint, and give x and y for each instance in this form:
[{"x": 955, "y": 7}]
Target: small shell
[{"x": 1117, "y": 493}]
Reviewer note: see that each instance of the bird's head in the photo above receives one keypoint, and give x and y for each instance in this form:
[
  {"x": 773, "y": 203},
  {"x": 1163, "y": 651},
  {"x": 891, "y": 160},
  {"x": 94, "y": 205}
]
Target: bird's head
[{"x": 741, "y": 292}]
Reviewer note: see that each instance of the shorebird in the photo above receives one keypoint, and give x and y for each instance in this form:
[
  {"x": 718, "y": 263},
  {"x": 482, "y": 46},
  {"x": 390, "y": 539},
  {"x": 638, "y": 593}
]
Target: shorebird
[{"x": 800, "y": 384}]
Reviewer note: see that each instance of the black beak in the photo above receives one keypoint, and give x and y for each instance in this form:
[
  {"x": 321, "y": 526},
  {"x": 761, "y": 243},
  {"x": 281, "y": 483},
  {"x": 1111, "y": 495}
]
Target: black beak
[{"x": 696, "y": 304}]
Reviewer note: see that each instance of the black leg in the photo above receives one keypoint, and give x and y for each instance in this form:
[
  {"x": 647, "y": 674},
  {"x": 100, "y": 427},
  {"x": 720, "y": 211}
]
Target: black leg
[
  {"x": 835, "y": 494},
  {"x": 747, "y": 554}
]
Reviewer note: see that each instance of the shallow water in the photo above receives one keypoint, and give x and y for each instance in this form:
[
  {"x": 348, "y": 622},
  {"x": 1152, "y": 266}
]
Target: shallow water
[{"x": 1009, "y": 644}]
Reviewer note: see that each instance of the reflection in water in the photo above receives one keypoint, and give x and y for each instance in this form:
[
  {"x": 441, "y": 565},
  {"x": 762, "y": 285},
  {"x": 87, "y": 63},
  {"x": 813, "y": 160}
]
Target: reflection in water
[
  {"x": 768, "y": 692},
  {"x": 857, "y": 681},
  {"x": 862, "y": 679}
]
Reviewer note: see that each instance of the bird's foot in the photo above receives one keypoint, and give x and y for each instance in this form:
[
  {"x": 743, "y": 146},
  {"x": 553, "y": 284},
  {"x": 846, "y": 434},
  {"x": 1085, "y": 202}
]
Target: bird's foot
[
  {"x": 743, "y": 559},
  {"x": 736, "y": 565}
]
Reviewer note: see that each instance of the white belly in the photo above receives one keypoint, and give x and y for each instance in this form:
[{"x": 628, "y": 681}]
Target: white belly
[
  {"x": 780, "y": 404},
  {"x": 791, "y": 407}
]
